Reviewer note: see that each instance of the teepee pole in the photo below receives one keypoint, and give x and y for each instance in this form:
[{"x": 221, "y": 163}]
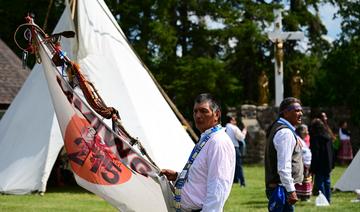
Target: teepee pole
[
  {"x": 182, "y": 119},
  {"x": 47, "y": 14}
]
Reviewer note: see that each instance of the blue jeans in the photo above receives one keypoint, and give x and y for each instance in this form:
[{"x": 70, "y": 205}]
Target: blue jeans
[
  {"x": 239, "y": 174},
  {"x": 287, "y": 206},
  {"x": 322, "y": 183}
]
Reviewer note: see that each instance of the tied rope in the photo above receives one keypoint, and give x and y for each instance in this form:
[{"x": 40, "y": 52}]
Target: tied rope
[{"x": 73, "y": 71}]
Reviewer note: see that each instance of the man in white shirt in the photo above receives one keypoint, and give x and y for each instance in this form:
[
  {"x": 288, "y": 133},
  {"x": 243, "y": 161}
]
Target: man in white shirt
[
  {"x": 208, "y": 179},
  {"x": 283, "y": 155},
  {"x": 238, "y": 138}
]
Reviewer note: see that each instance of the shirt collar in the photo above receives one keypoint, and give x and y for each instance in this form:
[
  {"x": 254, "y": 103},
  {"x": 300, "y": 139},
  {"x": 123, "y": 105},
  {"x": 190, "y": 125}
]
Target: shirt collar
[
  {"x": 208, "y": 131},
  {"x": 288, "y": 123}
]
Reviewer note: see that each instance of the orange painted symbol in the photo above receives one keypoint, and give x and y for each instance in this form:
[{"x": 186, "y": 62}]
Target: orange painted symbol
[{"x": 90, "y": 158}]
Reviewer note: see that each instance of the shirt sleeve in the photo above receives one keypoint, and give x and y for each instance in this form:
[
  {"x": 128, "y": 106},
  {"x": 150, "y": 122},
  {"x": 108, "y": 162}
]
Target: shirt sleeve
[
  {"x": 343, "y": 136},
  {"x": 238, "y": 134},
  {"x": 220, "y": 176},
  {"x": 284, "y": 142}
]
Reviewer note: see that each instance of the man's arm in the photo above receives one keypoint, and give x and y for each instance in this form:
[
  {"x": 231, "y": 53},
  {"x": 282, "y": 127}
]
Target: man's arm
[
  {"x": 284, "y": 143},
  {"x": 240, "y": 135},
  {"x": 170, "y": 174}
]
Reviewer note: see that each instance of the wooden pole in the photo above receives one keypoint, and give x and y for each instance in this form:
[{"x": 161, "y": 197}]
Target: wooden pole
[
  {"x": 174, "y": 108},
  {"x": 182, "y": 119},
  {"x": 73, "y": 8},
  {"x": 47, "y": 14}
]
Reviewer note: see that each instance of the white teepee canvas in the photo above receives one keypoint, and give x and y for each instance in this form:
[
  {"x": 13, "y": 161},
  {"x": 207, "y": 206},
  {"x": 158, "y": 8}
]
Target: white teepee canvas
[
  {"x": 29, "y": 133},
  {"x": 350, "y": 180},
  {"x": 30, "y": 137}
]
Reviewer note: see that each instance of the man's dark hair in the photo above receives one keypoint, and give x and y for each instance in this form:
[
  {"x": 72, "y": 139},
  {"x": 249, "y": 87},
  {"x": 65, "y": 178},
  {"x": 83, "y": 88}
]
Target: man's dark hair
[
  {"x": 286, "y": 103},
  {"x": 318, "y": 128},
  {"x": 228, "y": 119},
  {"x": 213, "y": 103},
  {"x": 207, "y": 97}
]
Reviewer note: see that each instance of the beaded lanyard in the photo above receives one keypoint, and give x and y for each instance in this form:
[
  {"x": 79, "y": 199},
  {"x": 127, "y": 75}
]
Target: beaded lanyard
[{"x": 185, "y": 172}]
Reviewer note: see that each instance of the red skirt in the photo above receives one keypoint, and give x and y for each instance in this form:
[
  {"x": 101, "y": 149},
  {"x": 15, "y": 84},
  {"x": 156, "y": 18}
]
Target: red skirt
[
  {"x": 304, "y": 189},
  {"x": 345, "y": 150}
]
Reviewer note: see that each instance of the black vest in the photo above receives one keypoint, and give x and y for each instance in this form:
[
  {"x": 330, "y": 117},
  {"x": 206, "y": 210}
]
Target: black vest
[{"x": 271, "y": 172}]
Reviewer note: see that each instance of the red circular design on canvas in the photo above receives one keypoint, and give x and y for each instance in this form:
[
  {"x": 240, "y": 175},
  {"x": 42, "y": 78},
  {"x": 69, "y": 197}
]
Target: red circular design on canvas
[{"x": 95, "y": 164}]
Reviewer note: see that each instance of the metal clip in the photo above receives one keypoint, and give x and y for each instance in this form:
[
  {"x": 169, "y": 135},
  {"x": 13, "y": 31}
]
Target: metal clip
[{"x": 24, "y": 59}]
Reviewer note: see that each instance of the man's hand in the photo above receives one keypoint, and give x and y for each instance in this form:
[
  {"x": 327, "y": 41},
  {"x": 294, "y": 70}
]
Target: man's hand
[
  {"x": 292, "y": 198},
  {"x": 170, "y": 174}
]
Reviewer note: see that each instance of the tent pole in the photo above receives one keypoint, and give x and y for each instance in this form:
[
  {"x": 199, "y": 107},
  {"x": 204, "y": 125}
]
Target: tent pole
[
  {"x": 47, "y": 14},
  {"x": 182, "y": 119},
  {"x": 73, "y": 8},
  {"x": 174, "y": 108}
]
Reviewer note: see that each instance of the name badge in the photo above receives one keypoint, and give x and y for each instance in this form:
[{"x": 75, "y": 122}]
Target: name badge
[{"x": 183, "y": 174}]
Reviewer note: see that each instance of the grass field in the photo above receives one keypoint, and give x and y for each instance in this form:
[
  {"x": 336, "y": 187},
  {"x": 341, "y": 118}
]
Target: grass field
[{"x": 251, "y": 198}]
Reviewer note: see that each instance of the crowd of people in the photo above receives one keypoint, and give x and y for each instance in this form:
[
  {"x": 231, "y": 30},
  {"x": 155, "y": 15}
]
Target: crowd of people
[
  {"x": 298, "y": 158},
  {"x": 300, "y": 177}
]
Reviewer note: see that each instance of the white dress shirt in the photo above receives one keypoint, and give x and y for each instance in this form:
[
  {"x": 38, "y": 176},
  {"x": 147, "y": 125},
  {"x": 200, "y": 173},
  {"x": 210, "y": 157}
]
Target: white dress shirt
[
  {"x": 235, "y": 134},
  {"x": 343, "y": 136},
  {"x": 210, "y": 176},
  {"x": 284, "y": 143},
  {"x": 306, "y": 153}
]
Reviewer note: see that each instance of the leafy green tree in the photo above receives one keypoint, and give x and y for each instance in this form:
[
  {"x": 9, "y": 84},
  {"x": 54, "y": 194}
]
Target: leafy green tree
[
  {"x": 338, "y": 79},
  {"x": 13, "y": 12},
  {"x": 217, "y": 46}
]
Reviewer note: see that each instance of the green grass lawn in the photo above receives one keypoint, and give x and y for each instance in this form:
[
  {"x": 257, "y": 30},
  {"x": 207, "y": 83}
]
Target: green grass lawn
[{"x": 251, "y": 198}]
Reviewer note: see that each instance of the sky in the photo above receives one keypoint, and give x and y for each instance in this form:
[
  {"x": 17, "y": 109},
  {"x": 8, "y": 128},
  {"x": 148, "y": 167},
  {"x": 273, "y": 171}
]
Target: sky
[{"x": 327, "y": 12}]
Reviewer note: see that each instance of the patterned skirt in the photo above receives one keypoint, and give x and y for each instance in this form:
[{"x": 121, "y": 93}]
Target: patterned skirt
[
  {"x": 345, "y": 150},
  {"x": 304, "y": 190}
]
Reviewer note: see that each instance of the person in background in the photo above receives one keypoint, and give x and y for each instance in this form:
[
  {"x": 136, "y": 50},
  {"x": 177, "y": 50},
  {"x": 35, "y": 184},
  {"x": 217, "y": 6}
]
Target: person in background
[
  {"x": 324, "y": 119},
  {"x": 304, "y": 189},
  {"x": 334, "y": 137},
  {"x": 345, "y": 154},
  {"x": 206, "y": 180},
  {"x": 283, "y": 155},
  {"x": 322, "y": 161},
  {"x": 238, "y": 138}
]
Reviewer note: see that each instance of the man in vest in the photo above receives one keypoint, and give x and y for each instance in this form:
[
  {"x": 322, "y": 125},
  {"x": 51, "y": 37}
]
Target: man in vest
[
  {"x": 206, "y": 180},
  {"x": 283, "y": 159}
]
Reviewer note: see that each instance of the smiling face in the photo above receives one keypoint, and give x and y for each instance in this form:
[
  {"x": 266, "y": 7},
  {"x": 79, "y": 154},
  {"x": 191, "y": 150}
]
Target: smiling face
[
  {"x": 204, "y": 116},
  {"x": 293, "y": 114}
]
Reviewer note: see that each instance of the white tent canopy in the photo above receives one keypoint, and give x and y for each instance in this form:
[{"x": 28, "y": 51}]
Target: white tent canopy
[
  {"x": 29, "y": 133},
  {"x": 350, "y": 180},
  {"x": 30, "y": 137}
]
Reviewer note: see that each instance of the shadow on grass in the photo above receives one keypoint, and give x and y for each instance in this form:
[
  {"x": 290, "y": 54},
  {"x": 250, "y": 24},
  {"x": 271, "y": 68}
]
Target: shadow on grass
[
  {"x": 74, "y": 189},
  {"x": 255, "y": 204}
]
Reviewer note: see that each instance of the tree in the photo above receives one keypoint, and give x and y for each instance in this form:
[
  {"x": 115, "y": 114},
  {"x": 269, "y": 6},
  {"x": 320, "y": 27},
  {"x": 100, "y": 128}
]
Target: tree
[
  {"x": 13, "y": 12},
  {"x": 339, "y": 76},
  {"x": 217, "y": 46}
]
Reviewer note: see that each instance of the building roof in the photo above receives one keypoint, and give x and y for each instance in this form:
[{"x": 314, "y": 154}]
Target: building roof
[{"x": 12, "y": 74}]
